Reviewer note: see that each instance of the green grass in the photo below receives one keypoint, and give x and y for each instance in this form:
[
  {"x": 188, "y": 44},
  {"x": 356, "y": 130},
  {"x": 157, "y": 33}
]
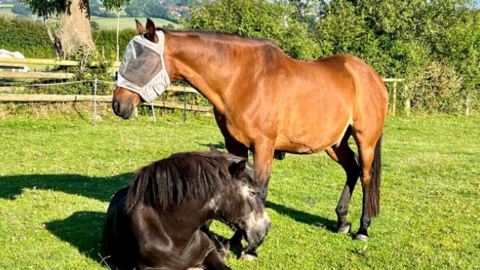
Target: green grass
[
  {"x": 126, "y": 23},
  {"x": 58, "y": 173}
]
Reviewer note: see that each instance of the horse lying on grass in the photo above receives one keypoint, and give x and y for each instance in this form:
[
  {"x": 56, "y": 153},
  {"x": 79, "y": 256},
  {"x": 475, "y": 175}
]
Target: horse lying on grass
[{"x": 155, "y": 222}]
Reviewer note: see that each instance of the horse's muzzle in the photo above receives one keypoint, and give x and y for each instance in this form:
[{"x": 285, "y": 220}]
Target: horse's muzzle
[{"x": 125, "y": 112}]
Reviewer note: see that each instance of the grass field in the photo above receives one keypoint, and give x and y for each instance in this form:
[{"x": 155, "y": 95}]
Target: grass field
[
  {"x": 125, "y": 23},
  {"x": 58, "y": 173}
]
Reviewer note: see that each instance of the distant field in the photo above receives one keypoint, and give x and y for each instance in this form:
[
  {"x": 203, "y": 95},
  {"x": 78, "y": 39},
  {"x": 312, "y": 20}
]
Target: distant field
[
  {"x": 105, "y": 23},
  {"x": 125, "y": 23},
  {"x": 6, "y": 6}
]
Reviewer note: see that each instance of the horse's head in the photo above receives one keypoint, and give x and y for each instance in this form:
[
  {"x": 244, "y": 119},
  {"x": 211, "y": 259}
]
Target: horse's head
[
  {"x": 142, "y": 75},
  {"x": 241, "y": 206}
]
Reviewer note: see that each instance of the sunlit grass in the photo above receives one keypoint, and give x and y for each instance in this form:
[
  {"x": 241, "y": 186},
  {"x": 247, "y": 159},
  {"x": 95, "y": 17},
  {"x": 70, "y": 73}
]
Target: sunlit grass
[{"x": 57, "y": 174}]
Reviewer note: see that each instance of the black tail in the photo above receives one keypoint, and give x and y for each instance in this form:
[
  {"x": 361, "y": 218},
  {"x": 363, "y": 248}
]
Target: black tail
[{"x": 375, "y": 175}]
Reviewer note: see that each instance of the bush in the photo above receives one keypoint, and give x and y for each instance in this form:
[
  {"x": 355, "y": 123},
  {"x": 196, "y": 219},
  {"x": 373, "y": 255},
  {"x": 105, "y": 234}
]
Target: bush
[
  {"x": 108, "y": 40},
  {"x": 94, "y": 25},
  {"x": 27, "y": 37},
  {"x": 437, "y": 89}
]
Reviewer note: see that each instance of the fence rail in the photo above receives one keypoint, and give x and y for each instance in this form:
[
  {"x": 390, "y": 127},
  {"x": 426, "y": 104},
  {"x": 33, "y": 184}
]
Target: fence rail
[
  {"x": 34, "y": 61},
  {"x": 36, "y": 75},
  {"x": 103, "y": 98}
]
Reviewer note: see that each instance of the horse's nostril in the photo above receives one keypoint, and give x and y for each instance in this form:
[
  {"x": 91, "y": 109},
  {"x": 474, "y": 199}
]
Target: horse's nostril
[{"x": 116, "y": 106}]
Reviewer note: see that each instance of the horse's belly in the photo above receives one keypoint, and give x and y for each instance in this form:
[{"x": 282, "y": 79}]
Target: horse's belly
[
  {"x": 312, "y": 138},
  {"x": 302, "y": 145}
]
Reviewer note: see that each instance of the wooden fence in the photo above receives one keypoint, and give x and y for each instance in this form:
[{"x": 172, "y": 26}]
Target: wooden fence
[{"x": 58, "y": 98}]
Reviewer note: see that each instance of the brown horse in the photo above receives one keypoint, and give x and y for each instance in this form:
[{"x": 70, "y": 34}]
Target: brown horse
[{"x": 266, "y": 101}]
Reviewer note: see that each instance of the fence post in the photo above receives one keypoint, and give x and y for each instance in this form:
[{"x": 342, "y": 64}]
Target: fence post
[
  {"x": 407, "y": 101},
  {"x": 394, "y": 98},
  {"x": 95, "y": 104},
  {"x": 184, "y": 104},
  {"x": 153, "y": 112}
]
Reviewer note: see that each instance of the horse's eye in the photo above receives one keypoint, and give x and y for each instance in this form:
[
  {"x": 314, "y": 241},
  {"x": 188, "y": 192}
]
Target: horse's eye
[{"x": 252, "y": 193}]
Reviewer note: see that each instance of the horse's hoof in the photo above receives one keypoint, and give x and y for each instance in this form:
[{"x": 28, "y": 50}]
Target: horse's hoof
[
  {"x": 224, "y": 253},
  {"x": 361, "y": 237},
  {"x": 345, "y": 229},
  {"x": 248, "y": 257}
]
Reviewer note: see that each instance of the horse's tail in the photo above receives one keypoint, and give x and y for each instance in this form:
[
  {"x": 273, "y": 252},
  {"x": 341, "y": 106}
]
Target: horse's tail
[{"x": 375, "y": 175}]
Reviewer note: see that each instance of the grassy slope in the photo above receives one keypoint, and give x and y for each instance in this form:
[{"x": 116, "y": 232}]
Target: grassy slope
[
  {"x": 58, "y": 173},
  {"x": 125, "y": 23}
]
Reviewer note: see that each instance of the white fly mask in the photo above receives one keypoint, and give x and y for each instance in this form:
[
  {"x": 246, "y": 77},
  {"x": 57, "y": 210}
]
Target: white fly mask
[{"x": 142, "y": 70}]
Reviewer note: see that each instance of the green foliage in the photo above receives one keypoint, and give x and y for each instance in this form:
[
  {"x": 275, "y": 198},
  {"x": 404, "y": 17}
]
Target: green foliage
[
  {"x": 256, "y": 18},
  {"x": 107, "y": 39},
  {"x": 148, "y": 8},
  {"x": 27, "y": 37},
  {"x": 50, "y": 8},
  {"x": 95, "y": 10},
  {"x": 437, "y": 88},
  {"x": 94, "y": 25}
]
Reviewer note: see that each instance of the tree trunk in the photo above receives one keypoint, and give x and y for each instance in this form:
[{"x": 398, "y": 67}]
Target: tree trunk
[{"x": 75, "y": 32}]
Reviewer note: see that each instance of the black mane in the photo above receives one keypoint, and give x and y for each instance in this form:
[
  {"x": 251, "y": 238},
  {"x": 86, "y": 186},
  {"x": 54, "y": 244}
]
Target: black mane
[{"x": 182, "y": 177}]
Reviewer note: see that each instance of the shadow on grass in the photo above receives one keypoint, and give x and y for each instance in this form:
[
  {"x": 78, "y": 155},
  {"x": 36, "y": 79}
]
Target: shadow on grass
[
  {"x": 303, "y": 217},
  {"x": 219, "y": 145},
  {"x": 82, "y": 230},
  {"x": 99, "y": 188}
]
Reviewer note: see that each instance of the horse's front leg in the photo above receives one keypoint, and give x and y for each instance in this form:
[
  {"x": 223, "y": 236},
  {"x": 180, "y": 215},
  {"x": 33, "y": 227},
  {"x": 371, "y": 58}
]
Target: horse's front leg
[
  {"x": 262, "y": 161},
  {"x": 263, "y": 152}
]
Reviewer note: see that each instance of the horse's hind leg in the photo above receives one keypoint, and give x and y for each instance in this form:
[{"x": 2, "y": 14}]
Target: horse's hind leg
[
  {"x": 344, "y": 156},
  {"x": 369, "y": 148}
]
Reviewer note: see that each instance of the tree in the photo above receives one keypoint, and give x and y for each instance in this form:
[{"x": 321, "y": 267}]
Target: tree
[{"x": 74, "y": 31}]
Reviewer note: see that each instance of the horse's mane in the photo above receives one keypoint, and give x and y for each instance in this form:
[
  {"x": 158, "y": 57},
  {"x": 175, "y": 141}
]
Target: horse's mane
[
  {"x": 182, "y": 177},
  {"x": 217, "y": 34}
]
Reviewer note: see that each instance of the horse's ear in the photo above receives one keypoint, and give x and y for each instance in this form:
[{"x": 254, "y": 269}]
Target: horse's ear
[
  {"x": 151, "y": 31},
  {"x": 237, "y": 168},
  {"x": 140, "y": 28},
  {"x": 214, "y": 150}
]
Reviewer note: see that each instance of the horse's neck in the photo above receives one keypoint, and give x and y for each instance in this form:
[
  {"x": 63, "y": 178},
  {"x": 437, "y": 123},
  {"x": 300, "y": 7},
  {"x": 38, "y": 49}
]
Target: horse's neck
[
  {"x": 205, "y": 63},
  {"x": 186, "y": 218}
]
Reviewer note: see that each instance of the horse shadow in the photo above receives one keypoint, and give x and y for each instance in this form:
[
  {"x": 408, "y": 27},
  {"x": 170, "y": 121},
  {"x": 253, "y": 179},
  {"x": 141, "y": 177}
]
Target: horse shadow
[
  {"x": 99, "y": 188},
  {"x": 82, "y": 230},
  {"x": 303, "y": 217},
  {"x": 219, "y": 145}
]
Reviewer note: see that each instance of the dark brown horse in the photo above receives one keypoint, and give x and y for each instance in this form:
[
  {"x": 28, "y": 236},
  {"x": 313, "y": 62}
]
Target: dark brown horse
[
  {"x": 266, "y": 101},
  {"x": 156, "y": 222}
]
